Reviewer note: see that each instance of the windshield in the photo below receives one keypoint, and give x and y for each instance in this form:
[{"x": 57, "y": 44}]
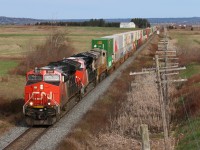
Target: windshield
[
  {"x": 34, "y": 77},
  {"x": 52, "y": 77}
]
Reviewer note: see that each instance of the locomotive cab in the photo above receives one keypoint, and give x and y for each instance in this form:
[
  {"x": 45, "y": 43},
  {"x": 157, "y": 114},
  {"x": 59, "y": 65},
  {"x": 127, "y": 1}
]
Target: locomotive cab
[
  {"x": 48, "y": 90},
  {"x": 42, "y": 95}
]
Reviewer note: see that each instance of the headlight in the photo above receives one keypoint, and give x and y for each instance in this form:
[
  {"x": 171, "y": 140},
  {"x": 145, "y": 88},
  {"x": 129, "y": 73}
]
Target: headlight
[
  {"x": 49, "y": 103},
  {"x": 31, "y": 103},
  {"x": 41, "y": 86}
]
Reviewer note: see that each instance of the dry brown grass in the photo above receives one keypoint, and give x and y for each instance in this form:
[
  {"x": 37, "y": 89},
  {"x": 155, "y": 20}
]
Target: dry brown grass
[
  {"x": 188, "y": 48},
  {"x": 10, "y": 113},
  {"x": 189, "y": 93},
  {"x": 8, "y": 108},
  {"x": 189, "y": 56},
  {"x": 142, "y": 107},
  {"x": 187, "y": 45},
  {"x": 55, "y": 48}
]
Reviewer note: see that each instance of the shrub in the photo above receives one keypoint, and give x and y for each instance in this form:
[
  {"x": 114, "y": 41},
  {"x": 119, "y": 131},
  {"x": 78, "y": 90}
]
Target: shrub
[{"x": 55, "y": 48}]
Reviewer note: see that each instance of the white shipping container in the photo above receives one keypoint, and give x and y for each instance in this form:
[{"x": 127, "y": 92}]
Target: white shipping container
[
  {"x": 141, "y": 34},
  {"x": 135, "y": 33},
  {"x": 117, "y": 46},
  {"x": 144, "y": 38},
  {"x": 138, "y": 34},
  {"x": 136, "y": 37},
  {"x": 132, "y": 36},
  {"x": 128, "y": 45},
  {"x": 122, "y": 43}
]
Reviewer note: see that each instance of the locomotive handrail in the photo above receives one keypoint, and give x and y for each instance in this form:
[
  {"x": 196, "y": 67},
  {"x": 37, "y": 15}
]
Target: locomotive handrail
[
  {"x": 57, "y": 105},
  {"x": 26, "y": 103}
]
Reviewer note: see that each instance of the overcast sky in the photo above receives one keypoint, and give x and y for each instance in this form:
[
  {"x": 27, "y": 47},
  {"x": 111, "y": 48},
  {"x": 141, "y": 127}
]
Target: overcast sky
[{"x": 87, "y": 9}]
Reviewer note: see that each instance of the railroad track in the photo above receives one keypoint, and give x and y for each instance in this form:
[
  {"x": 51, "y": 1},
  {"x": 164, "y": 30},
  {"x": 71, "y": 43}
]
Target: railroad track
[
  {"x": 31, "y": 135},
  {"x": 27, "y": 139}
]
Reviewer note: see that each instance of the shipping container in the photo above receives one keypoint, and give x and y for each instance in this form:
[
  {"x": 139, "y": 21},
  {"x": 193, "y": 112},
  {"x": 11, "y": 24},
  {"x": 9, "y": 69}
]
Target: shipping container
[
  {"x": 133, "y": 40},
  {"x": 127, "y": 42},
  {"x": 119, "y": 38},
  {"x": 105, "y": 44},
  {"x": 116, "y": 50}
]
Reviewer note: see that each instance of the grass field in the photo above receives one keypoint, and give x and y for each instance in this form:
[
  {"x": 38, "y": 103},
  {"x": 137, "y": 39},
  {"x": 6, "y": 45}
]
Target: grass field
[
  {"x": 15, "y": 41},
  {"x": 191, "y": 131},
  {"x": 186, "y": 39},
  {"x": 192, "y": 69},
  {"x": 188, "y": 131},
  {"x": 6, "y": 65},
  {"x": 11, "y": 86}
]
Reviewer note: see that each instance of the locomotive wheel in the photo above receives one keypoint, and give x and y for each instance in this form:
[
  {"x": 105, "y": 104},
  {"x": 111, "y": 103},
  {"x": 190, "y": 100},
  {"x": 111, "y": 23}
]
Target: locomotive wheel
[
  {"x": 58, "y": 117},
  {"x": 29, "y": 121},
  {"x": 80, "y": 96},
  {"x": 95, "y": 83}
]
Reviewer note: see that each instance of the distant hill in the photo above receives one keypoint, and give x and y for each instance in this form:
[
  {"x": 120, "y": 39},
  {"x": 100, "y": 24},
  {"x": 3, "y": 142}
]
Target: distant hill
[
  {"x": 9, "y": 20},
  {"x": 187, "y": 21},
  {"x": 22, "y": 21}
]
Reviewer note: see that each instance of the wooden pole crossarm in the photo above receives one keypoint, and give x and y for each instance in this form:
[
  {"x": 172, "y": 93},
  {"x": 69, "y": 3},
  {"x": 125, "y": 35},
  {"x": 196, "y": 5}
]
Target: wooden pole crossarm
[
  {"x": 173, "y": 69},
  {"x": 167, "y": 58},
  {"x": 140, "y": 73},
  {"x": 164, "y": 51},
  {"x": 161, "y": 56},
  {"x": 168, "y": 67},
  {"x": 170, "y": 74},
  {"x": 173, "y": 81}
]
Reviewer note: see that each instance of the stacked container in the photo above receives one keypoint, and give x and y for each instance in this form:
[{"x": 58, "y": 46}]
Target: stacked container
[
  {"x": 118, "y": 45},
  {"x": 105, "y": 44}
]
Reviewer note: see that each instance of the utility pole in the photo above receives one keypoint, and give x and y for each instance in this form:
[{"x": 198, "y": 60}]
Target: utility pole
[
  {"x": 164, "y": 69},
  {"x": 162, "y": 104},
  {"x": 145, "y": 137},
  {"x": 165, "y": 89}
]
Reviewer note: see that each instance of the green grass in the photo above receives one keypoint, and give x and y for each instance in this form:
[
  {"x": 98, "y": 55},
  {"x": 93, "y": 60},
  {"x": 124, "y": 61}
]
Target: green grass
[
  {"x": 6, "y": 65},
  {"x": 21, "y": 35},
  {"x": 195, "y": 40},
  {"x": 186, "y": 39},
  {"x": 12, "y": 86},
  {"x": 189, "y": 131},
  {"x": 191, "y": 69}
]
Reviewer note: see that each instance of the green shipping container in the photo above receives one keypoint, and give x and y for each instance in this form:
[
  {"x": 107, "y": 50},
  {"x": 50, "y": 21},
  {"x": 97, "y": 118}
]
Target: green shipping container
[{"x": 106, "y": 44}]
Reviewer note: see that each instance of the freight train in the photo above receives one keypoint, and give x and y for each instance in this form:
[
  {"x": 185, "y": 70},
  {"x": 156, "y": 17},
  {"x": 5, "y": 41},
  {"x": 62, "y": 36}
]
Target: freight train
[{"x": 50, "y": 90}]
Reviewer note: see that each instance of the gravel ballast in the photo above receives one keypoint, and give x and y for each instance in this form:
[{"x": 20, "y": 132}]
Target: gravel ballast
[{"x": 11, "y": 135}]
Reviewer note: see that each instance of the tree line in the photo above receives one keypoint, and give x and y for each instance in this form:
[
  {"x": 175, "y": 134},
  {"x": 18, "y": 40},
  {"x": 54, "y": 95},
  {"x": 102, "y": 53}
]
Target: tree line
[
  {"x": 139, "y": 22},
  {"x": 91, "y": 22}
]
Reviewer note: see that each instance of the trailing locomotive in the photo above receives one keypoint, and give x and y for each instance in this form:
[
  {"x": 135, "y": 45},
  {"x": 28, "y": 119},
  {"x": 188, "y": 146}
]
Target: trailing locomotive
[
  {"x": 50, "y": 89},
  {"x": 55, "y": 88}
]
